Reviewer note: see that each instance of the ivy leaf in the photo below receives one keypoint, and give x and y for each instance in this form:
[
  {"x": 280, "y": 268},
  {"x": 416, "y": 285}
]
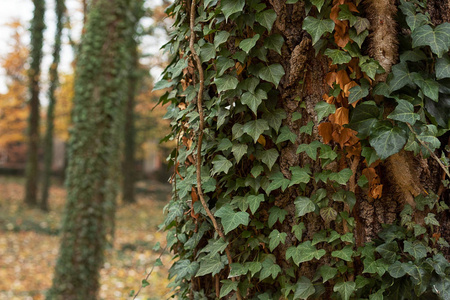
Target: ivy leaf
[
  {"x": 388, "y": 251},
  {"x": 345, "y": 253},
  {"x": 361, "y": 24},
  {"x": 221, "y": 164},
  {"x": 225, "y": 83},
  {"x": 304, "y": 288},
  {"x": 224, "y": 144},
  {"x": 274, "y": 118},
  {"x": 396, "y": 270},
  {"x": 269, "y": 268},
  {"x": 307, "y": 128},
  {"x": 239, "y": 150},
  {"x": 338, "y": 56},
  {"x": 438, "y": 39},
  {"x": 299, "y": 175},
  {"x": 304, "y": 205},
  {"x": 223, "y": 64},
  {"x": 327, "y": 272},
  {"x": 269, "y": 157},
  {"x": 309, "y": 149},
  {"x": 277, "y": 181},
  {"x": 276, "y": 214},
  {"x": 214, "y": 247},
  {"x": 266, "y": 18},
  {"x": 255, "y": 128},
  {"x": 249, "y": 43},
  {"x": 371, "y": 68},
  {"x": 185, "y": 268},
  {"x": 417, "y": 250},
  {"x": 431, "y": 220},
  {"x": 429, "y": 87},
  {"x": 387, "y": 139},
  {"x": 210, "y": 265},
  {"x": 253, "y": 100},
  {"x": 404, "y": 112},
  {"x": 400, "y": 76},
  {"x": 227, "y": 287},
  {"x": 413, "y": 55},
  {"x": 346, "y": 14},
  {"x": 304, "y": 252},
  {"x": 373, "y": 266},
  {"x": 230, "y": 7},
  {"x": 276, "y": 238},
  {"x": 220, "y": 38},
  {"x": 207, "y": 52},
  {"x": 274, "y": 42},
  {"x": 416, "y": 20},
  {"x": 328, "y": 214},
  {"x": 231, "y": 219},
  {"x": 316, "y": 28},
  {"x": 318, "y": 4},
  {"x": 364, "y": 117},
  {"x": 272, "y": 73},
  {"x": 443, "y": 67},
  {"x": 342, "y": 177},
  {"x": 358, "y": 38},
  {"x": 237, "y": 269},
  {"x": 359, "y": 91},
  {"x": 254, "y": 267},
  {"x": 286, "y": 135},
  {"x": 345, "y": 289},
  {"x": 297, "y": 230},
  {"x": 254, "y": 202},
  {"x": 324, "y": 109}
]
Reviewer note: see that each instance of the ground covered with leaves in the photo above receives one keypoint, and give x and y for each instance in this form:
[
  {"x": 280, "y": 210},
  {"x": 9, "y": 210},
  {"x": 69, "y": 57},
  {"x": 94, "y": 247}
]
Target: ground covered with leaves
[{"x": 29, "y": 244}]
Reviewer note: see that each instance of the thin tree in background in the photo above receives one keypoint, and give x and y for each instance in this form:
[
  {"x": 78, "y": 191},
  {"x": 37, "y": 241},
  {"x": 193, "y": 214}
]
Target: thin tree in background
[
  {"x": 54, "y": 82},
  {"x": 37, "y": 38},
  {"x": 94, "y": 164},
  {"x": 129, "y": 163}
]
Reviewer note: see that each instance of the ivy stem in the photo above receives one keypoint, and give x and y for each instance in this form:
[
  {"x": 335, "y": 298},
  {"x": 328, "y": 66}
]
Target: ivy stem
[
  {"x": 200, "y": 138},
  {"x": 429, "y": 150}
]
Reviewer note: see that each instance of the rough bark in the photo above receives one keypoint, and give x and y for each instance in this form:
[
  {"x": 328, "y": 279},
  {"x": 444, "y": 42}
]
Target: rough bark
[
  {"x": 94, "y": 161},
  {"x": 54, "y": 82},
  {"x": 34, "y": 73}
]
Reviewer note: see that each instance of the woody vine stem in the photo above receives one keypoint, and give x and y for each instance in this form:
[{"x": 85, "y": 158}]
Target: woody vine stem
[{"x": 200, "y": 138}]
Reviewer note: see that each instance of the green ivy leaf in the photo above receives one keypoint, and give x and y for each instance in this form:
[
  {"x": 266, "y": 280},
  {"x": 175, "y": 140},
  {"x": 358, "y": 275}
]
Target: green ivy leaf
[
  {"x": 239, "y": 150},
  {"x": 342, "y": 177},
  {"x": 249, "y": 43},
  {"x": 429, "y": 87},
  {"x": 345, "y": 289},
  {"x": 276, "y": 214},
  {"x": 359, "y": 91},
  {"x": 327, "y": 272},
  {"x": 224, "y": 144},
  {"x": 413, "y": 56},
  {"x": 328, "y": 214},
  {"x": 318, "y": 4},
  {"x": 214, "y": 247},
  {"x": 361, "y": 24},
  {"x": 359, "y": 38},
  {"x": 185, "y": 268},
  {"x": 324, "y": 109},
  {"x": 253, "y": 100},
  {"x": 364, "y": 117},
  {"x": 237, "y": 269},
  {"x": 231, "y": 219},
  {"x": 345, "y": 253},
  {"x": 220, "y": 38},
  {"x": 227, "y": 287},
  {"x": 310, "y": 149},
  {"x": 338, "y": 56},
  {"x": 346, "y": 14},
  {"x": 210, "y": 265},
  {"x": 274, "y": 42},
  {"x": 396, "y": 270},
  {"x": 387, "y": 139},
  {"x": 275, "y": 238},
  {"x": 286, "y": 135},
  {"x": 277, "y": 181},
  {"x": 269, "y": 268},
  {"x": 404, "y": 112},
  {"x": 269, "y": 157},
  {"x": 254, "y": 201},
  {"x": 304, "y": 252},
  {"x": 207, "y": 52},
  {"x": 416, "y": 20},
  {"x": 373, "y": 266},
  {"x": 388, "y": 251},
  {"x": 371, "y": 67},
  {"x": 303, "y": 206},
  {"x": 266, "y": 18},
  {"x": 316, "y": 28},
  {"x": 400, "y": 76},
  {"x": 443, "y": 67},
  {"x": 297, "y": 230},
  {"x": 304, "y": 288},
  {"x": 223, "y": 64},
  {"x": 307, "y": 128},
  {"x": 221, "y": 164},
  {"x": 274, "y": 118},
  {"x": 431, "y": 220},
  {"x": 299, "y": 175},
  {"x": 438, "y": 39},
  {"x": 225, "y": 83},
  {"x": 230, "y": 7},
  {"x": 272, "y": 73},
  {"x": 255, "y": 128}
]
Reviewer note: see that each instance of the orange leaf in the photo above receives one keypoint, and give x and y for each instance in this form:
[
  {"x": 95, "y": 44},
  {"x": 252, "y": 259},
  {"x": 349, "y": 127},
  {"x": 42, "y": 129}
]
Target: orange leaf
[
  {"x": 330, "y": 78},
  {"x": 348, "y": 86},
  {"x": 239, "y": 68},
  {"x": 334, "y": 13},
  {"x": 376, "y": 192},
  {"x": 328, "y": 99},
  {"x": 341, "y": 116},
  {"x": 325, "y": 130},
  {"x": 342, "y": 78},
  {"x": 352, "y": 7},
  {"x": 194, "y": 197},
  {"x": 262, "y": 140}
]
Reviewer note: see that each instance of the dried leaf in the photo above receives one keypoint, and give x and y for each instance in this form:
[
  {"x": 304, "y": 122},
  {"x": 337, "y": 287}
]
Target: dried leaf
[{"x": 325, "y": 131}]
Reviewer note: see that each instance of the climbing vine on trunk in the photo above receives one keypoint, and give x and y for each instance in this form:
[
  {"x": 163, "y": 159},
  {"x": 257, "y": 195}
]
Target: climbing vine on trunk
[{"x": 312, "y": 158}]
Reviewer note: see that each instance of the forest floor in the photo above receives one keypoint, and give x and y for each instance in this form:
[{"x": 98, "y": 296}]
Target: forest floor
[{"x": 29, "y": 244}]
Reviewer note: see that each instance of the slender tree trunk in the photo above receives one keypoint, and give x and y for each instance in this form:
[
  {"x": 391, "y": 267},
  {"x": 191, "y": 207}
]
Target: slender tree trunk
[
  {"x": 54, "y": 82},
  {"x": 37, "y": 37},
  {"x": 94, "y": 161}
]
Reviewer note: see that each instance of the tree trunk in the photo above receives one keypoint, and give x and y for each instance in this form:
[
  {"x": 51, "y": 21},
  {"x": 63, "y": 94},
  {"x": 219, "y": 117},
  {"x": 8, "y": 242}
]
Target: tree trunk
[
  {"x": 34, "y": 73},
  {"x": 264, "y": 193},
  {"x": 94, "y": 161},
  {"x": 54, "y": 82}
]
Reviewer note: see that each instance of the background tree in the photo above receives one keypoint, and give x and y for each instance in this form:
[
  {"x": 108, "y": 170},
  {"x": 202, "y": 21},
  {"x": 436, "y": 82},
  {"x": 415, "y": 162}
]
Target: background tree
[
  {"x": 308, "y": 134},
  {"x": 34, "y": 73},
  {"x": 54, "y": 82},
  {"x": 92, "y": 175}
]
